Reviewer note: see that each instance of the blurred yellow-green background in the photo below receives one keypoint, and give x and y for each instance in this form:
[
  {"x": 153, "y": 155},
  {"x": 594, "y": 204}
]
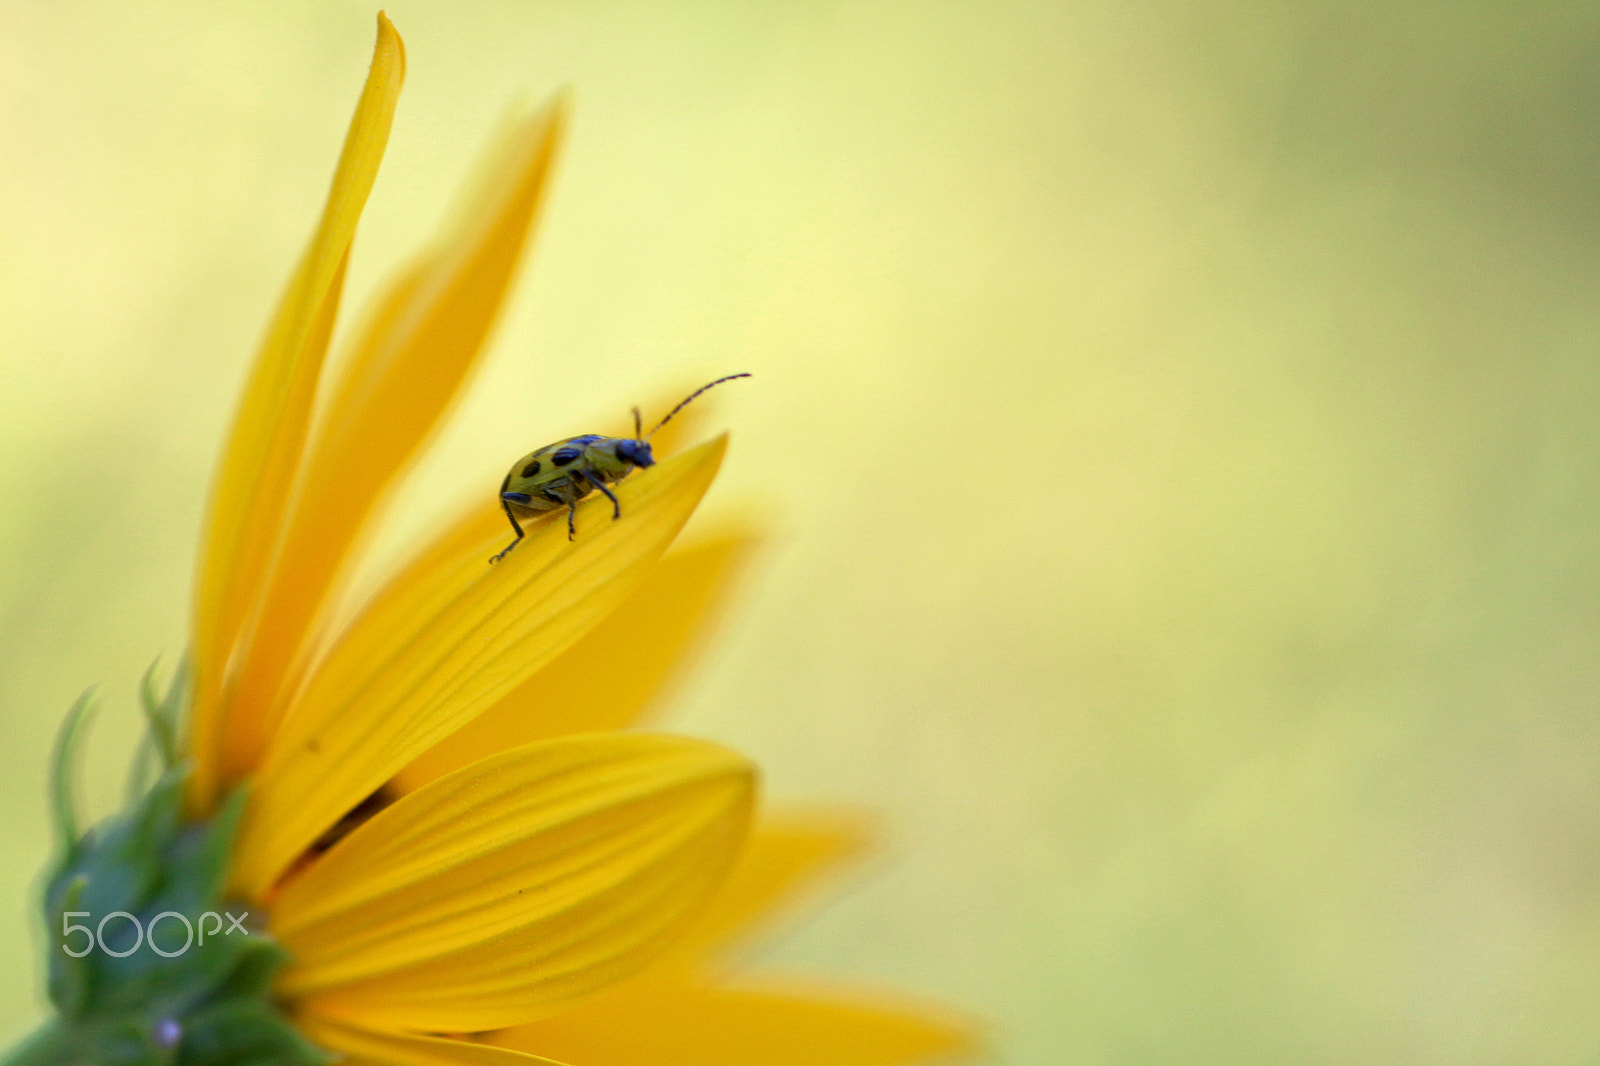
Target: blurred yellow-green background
[{"x": 1179, "y": 421}]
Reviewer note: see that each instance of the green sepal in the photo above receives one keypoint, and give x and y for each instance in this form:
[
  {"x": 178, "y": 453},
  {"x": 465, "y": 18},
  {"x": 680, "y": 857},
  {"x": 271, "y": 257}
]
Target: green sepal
[
  {"x": 192, "y": 985},
  {"x": 69, "y": 981},
  {"x": 253, "y": 972},
  {"x": 63, "y": 802},
  {"x": 247, "y": 1033},
  {"x": 140, "y": 769},
  {"x": 162, "y": 719},
  {"x": 161, "y": 713},
  {"x": 126, "y": 1041},
  {"x": 215, "y": 846},
  {"x": 121, "y": 859}
]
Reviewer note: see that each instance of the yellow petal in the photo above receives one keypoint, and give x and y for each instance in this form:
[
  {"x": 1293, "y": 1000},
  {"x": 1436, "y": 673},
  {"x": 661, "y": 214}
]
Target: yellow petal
[
  {"x": 788, "y": 855},
  {"x": 406, "y": 368},
  {"x": 359, "y": 1046},
  {"x": 536, "y": 875},
  {"x": 436, "y": 575},
  {"x": 263, "y": 451},
  {"x": 697, "y": 1026},
  {"x": 613, "y": 674},
  {"x": 407, "y": 674}
]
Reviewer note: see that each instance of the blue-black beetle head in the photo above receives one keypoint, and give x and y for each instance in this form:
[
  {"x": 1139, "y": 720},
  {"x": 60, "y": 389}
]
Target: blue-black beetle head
[{"x": 636, "y": 452}]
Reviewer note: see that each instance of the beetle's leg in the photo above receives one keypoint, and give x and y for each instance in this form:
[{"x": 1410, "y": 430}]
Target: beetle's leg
[
  {"x": 505, "y": 505},
  {"x": 572, "y": 512},
  {"x": 616, "y": 508}
]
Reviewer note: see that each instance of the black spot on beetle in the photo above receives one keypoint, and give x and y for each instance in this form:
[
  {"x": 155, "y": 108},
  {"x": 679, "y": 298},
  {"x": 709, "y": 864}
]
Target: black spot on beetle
[
  {"x": 565, "y": 456},
  {"x": 531, "y": 469}
]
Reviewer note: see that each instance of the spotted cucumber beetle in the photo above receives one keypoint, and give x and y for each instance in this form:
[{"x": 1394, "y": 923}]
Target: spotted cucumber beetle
[{"x": 561, "y": 474}]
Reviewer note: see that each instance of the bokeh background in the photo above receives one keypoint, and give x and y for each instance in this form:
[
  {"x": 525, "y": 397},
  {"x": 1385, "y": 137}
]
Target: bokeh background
[{"x": 1178, "y": 421}]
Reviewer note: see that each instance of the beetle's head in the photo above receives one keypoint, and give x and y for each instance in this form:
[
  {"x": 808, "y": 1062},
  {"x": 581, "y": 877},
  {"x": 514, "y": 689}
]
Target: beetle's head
[{"x": 636, "y": 452}]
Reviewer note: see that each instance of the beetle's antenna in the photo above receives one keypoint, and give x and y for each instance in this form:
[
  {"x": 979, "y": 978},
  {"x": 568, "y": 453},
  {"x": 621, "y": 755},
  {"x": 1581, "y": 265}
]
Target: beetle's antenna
[
  {"x": 638, "y": 427},
  {"x": 691, "y": 396}
]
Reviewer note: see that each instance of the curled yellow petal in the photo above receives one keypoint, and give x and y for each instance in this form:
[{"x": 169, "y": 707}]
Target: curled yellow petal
[
  {"x": 406, "y": 675},
  {"x": 359, "y": 1046},
  {"x": 751, "y": 1026},
  {"x": 521, "y": 881},
  {"x": 407, "y": 366},
  {"x": 263, "y": 451},
  {"x": 651, "y": 634}
]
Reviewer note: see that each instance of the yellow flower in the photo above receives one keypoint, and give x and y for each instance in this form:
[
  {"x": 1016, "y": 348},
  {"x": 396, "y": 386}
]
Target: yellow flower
[{"x": 447, "y": 833}]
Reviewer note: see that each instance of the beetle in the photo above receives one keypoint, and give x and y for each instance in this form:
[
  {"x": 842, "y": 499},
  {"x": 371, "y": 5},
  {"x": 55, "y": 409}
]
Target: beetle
[{"x": 561, "y": 474}]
